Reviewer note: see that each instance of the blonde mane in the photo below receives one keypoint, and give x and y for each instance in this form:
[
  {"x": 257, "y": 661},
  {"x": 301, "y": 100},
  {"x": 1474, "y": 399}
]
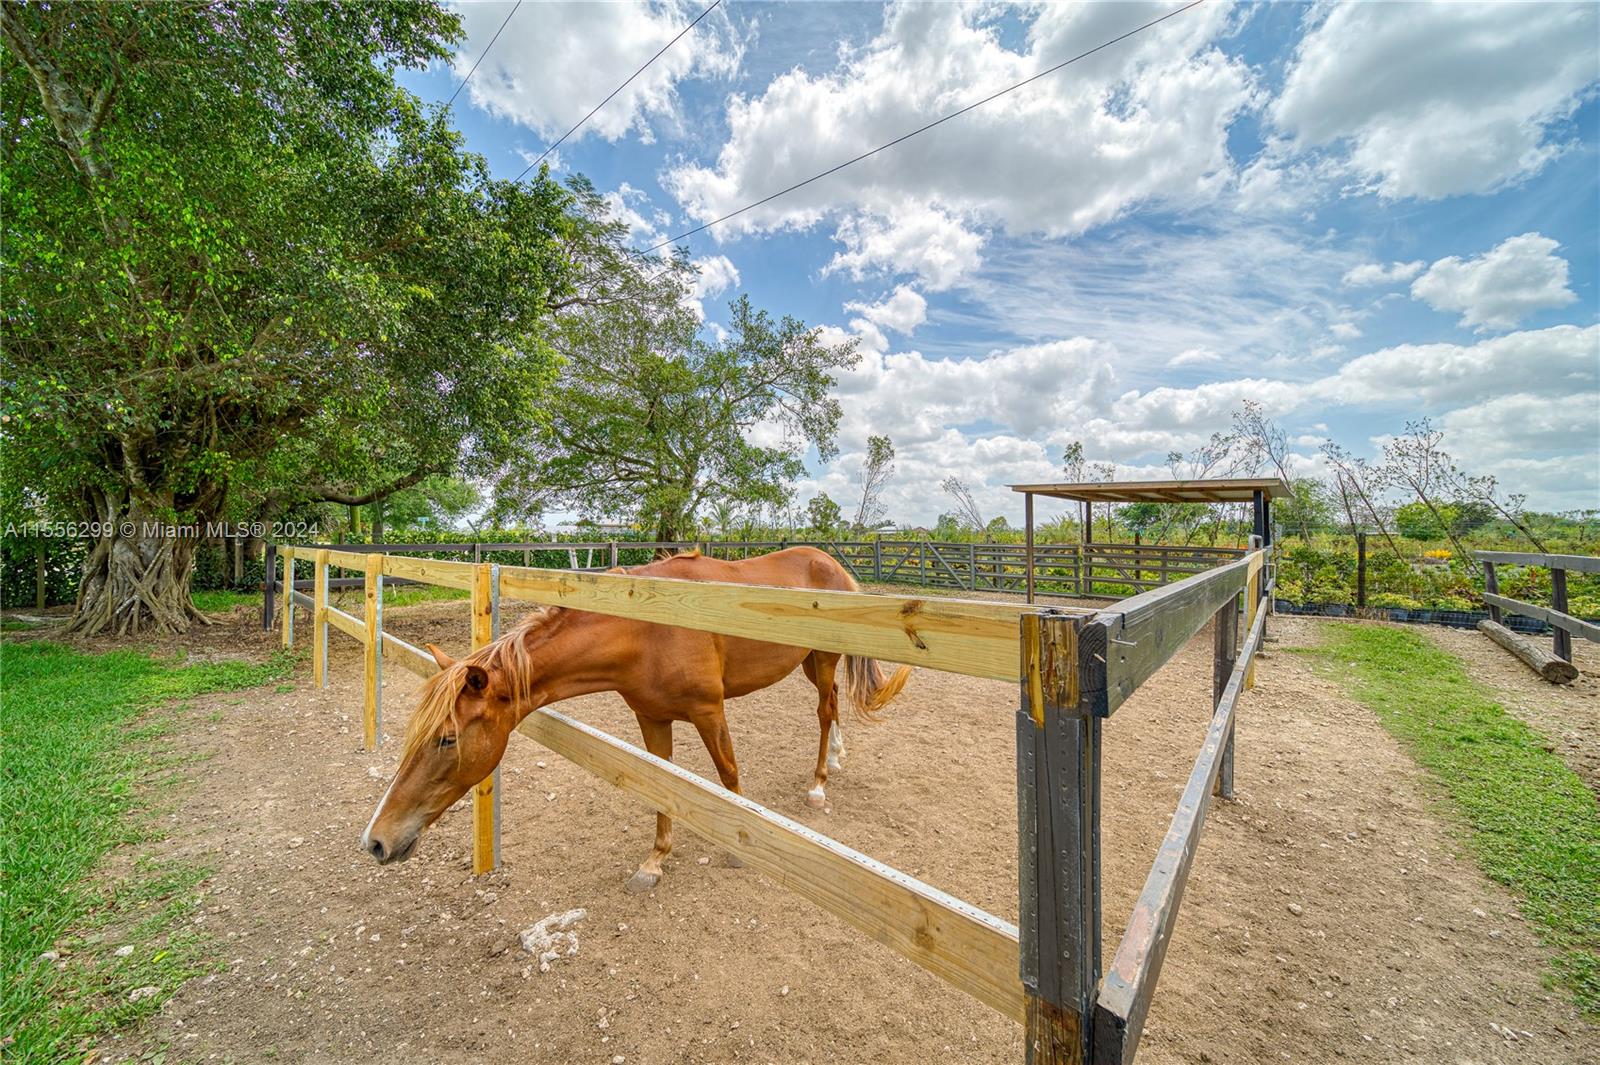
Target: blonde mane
[{"x": 508, "y": 655}]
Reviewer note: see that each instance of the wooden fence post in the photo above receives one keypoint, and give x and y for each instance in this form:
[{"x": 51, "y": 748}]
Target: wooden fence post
[
  {"x": 1558, "y": 601},
  {"x": 1225, "y": 650},
  {"x": 319, "y": 620},
  {"x": 288, "y": 596},
  {"x": 613, "y": 555},
  {"x": 972, "y": 565},
  {"x": 1492, "y": 586},
  {"x": 1058, "y": 838},
  {"x": 1252, "y": 603},
  {"x": 39, "y": 576},
  {"x": 1361, "y": 569},
  {"x": 486, "y": 795},
  {"x": 372, "y": 711}
]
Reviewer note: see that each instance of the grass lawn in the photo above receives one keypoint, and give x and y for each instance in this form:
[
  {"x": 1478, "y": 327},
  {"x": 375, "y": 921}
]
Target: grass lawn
[
  {"x": 1531, "y": 822},
  {"x": 78, "y": 749}
]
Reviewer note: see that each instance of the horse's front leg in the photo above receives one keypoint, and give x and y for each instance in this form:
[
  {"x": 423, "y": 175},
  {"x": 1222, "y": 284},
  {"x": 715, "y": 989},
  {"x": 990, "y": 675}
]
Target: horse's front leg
[{"x": 658, "y": 741}]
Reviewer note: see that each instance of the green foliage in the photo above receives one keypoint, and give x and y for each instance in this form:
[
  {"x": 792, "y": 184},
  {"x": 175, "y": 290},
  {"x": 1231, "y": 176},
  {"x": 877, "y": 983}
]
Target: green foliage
[
  {"x": 73, "y": 756},
  {"x": 653, "y": 420},
  {"x": 237, "y": 254},
  {"x": 1533, "y": 825},
  {"x": 1415, "y": 521},
  {"x": 822, "y": 515}
]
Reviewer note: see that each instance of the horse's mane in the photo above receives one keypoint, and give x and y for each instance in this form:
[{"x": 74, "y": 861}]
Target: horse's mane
[{"x": 509, "y": 655}]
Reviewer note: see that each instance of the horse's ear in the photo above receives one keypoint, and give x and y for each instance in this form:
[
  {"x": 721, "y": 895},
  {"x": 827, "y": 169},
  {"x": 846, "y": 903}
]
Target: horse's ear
[
  {"x": 477, "y": 678},
  {"x": 444, "y": 660}
]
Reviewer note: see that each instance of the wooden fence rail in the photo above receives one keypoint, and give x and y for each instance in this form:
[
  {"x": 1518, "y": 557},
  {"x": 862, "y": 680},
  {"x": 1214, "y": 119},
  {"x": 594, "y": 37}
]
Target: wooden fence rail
[
  {"x": 1073, "y": 667},
  {"x": 1555, "y": 615}
]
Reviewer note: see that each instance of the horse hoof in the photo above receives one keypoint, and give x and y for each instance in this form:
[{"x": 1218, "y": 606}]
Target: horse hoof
[
  {"x": 643, "y": 881},
  {"x": 732, "y": 860},
  {"x": 816, "y": 798}
]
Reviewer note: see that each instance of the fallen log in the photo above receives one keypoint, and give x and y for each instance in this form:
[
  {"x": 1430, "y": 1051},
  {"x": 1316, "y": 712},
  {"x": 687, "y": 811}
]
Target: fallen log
[{"x": 1542, "y": 662}]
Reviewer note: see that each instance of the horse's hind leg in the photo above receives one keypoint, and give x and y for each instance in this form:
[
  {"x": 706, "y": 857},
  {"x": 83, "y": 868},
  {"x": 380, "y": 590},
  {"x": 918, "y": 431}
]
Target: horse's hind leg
[
  {"x": 658, "y": 741},
  {"x": 820, "y": 668}
]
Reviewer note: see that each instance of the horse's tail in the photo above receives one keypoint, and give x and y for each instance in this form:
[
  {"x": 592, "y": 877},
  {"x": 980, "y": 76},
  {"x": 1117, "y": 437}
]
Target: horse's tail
[{"x": 869, "y": 690}]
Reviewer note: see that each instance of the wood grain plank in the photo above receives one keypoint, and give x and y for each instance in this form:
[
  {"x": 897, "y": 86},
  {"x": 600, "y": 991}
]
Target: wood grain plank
[{"x": 430, "y": 571}]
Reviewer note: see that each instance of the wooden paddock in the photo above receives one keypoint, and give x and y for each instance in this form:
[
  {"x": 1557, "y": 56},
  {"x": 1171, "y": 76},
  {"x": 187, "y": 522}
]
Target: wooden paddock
[{"x": 1073, "y": 668}]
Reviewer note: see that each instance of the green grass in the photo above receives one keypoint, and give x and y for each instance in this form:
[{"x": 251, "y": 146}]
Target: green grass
[
  {"x": 81, "y": 755},
  {"x": 1531, "y": 823},
  {"x": 17, "y": 625},
  {"x": 219, "y": 600}
]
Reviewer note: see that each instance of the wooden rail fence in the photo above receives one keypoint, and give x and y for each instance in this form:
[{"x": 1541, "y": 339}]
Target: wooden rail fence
[
  {"x": 1555, "y": 615},
  {"x": 1073, "y": 666}
]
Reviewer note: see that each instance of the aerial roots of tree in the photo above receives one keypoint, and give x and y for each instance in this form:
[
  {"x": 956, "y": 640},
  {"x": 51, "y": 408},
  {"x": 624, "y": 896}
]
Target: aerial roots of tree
[{"x": 134, "y": 586}]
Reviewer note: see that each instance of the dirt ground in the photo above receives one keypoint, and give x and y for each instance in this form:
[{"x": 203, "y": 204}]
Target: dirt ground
[{"x": 1331, "y": 915}]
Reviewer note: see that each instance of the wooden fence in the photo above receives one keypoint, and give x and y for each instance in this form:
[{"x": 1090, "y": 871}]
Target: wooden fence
[
  {"x": 1555, "y": 615},
  {"x": 1073, "y": 666},
  {"x": 1083, "y": 571}
]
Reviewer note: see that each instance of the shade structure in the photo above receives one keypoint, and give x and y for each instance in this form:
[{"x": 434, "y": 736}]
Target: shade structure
[
  {"x": 1258, "y": 491},
  {"x": 1208, "y": 490}
]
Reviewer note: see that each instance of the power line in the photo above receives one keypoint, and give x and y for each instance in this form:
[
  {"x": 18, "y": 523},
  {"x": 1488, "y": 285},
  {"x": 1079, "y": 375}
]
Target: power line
[
  {"x": 715, "y": 4},
  {"x": 451, "y": 102},
  {"x": 923, "y": 129}
]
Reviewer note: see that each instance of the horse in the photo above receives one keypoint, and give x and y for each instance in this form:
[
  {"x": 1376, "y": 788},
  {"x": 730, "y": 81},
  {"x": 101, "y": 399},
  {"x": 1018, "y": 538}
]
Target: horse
[{"x": 459, "y": 731}]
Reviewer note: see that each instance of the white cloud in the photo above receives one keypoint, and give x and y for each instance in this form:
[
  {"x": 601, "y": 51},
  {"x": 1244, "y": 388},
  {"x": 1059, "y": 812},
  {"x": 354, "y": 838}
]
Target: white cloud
[
  {"x": 1500, "y": 288},
  {"x": 1433, "y": 100},
  {"x": 1549, "y": 362},
  {"x": 1524, "y": 425},
  {"x": 632, "y": 207},
  {"x": 903, "y": 310},
  {"x": 1143, "y": 122},
  {"x": 553, "y": 62},
  {"x": 1370, "y": 274},
  {"x": 1194, "y": 357},
  {"x": 912, "y": 239},
  {"x": 1345, "y": 330},
  {"x": 715, "y": 274}
]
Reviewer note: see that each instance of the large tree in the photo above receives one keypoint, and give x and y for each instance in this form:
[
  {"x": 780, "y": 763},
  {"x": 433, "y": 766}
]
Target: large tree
[
  {"x": 227, "y": 228},
  {"x": 653, "y": 418}
]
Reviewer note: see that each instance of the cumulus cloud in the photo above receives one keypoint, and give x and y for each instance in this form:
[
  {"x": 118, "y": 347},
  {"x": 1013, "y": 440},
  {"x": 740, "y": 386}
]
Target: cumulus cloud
[
  {"x": 1523, "y": 425},
  {"x": 1145, "y": 122},
  {"x": 1194, "y": 357},
  {"x": 1371, "y": 274},
  {"x": 1549, "y": 362},
  {"x": 902, "y": 310},
  {"x": 1434, "y": 100},
  {"x": 1500, "y": 288},
  {"x": 553, "y": 62},
  {"x": 714, "y": 275}
]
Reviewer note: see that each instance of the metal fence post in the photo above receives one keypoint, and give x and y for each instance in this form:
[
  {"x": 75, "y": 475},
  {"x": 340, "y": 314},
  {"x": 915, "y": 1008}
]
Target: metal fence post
[
  {"x": 1225, "y": 644},
  {"x": 877, "y": 559},
  {"x": 613, "y": 554},
  {"x": 1058, "y": 838},
  {"x": 269, "y": 586}
]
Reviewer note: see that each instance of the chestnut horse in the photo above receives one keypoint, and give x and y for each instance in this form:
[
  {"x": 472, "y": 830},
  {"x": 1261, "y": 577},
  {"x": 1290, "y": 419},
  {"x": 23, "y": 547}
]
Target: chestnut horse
[{"x": 458, "y": 734}]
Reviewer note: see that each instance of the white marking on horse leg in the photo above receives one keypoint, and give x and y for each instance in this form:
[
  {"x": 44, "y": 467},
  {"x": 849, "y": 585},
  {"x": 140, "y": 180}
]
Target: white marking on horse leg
[
  {"x": 835, "y": 746},
  {"x": 816, "y": 797}
]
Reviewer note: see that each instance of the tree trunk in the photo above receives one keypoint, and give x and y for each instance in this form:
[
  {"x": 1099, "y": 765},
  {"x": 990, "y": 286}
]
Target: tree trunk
[
  {"x": 136, "y": 579},
  {"x": 377, "y": 523}
]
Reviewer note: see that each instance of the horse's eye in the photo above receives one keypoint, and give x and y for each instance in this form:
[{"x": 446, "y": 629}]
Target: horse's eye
[{"x": 447, "y": 741}]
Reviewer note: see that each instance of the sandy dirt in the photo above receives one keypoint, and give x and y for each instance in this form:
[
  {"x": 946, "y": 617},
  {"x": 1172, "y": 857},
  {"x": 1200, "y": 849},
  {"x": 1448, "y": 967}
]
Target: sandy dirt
[{"x": 1331, "y": 914}]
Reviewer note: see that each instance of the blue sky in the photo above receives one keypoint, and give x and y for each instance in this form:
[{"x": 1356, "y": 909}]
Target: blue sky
[{"x": 1353, "y": 215}]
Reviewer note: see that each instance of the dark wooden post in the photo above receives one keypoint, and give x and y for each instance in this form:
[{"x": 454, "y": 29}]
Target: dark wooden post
[
  {"x": 1258, "y": 499},
  {"x": 972, "y": 566},
  {"x": 1027, "y": 522},
  {"x": 1224, "y": 651},
  {"x": 1558, "y": 600},
  {"x": 1492, "y": 586},
  {"x": 1058, "y": 838},
  {"x": 39, "y": 576},
  {"x": 269, "y": 585},
  {"x": 1361, "y": 569},
  {"x": 877, "y": 559}
]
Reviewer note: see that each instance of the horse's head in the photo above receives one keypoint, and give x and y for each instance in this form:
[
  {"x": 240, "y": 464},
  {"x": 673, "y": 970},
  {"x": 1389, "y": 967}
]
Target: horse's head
[{"x": 455, "y": 739}]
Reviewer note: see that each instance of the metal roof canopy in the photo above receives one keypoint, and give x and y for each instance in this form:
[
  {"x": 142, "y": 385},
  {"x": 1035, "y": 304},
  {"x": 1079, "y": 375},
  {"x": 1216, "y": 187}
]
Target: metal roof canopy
[
  {"x": 1258, "y": 491},
  {"x": 1215, "y": 490}
]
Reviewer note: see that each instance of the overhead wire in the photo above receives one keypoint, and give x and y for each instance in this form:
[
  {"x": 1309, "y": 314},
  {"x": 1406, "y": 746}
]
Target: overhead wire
[
  {"x": 592, "y": 111},
  {"x": 451, "y": 102},
  {"x": 923, "y": 129}
]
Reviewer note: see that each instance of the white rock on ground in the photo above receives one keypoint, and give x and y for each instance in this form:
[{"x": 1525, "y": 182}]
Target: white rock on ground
[{"x": 553, "y": 937}]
